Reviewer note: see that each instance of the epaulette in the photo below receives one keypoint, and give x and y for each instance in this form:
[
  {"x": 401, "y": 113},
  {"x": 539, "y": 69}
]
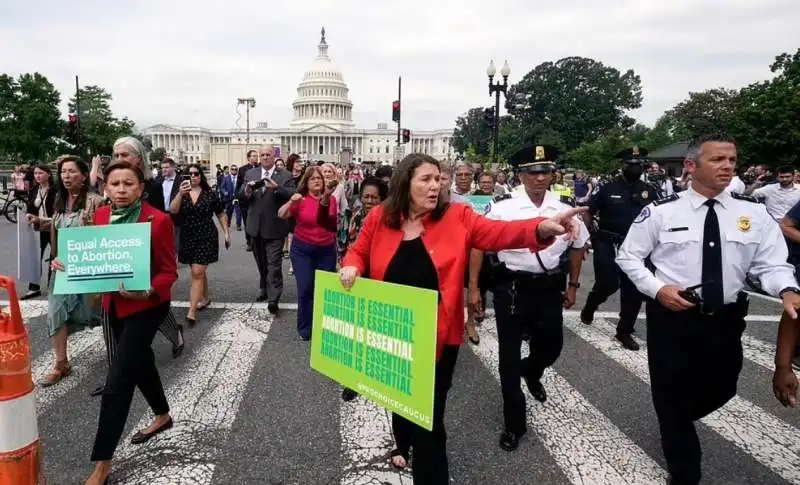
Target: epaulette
[
  {"x": 667, "y": 199},
  {"x": 565, "y": 199},
  {"x": 748, "y": 198},
  {"x": 502, "y": 197}
]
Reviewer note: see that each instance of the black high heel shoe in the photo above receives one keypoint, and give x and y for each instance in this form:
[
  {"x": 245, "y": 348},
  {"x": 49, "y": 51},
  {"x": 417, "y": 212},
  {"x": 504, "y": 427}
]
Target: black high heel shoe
[
  {"x": 191, "y": 322},
  {"x": 177, "y": 350}
]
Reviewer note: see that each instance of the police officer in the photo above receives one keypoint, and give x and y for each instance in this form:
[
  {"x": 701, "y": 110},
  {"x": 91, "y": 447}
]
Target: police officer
[
  {"x": 617, "y": 203},
  {"x": 530, "y": 288},
  {"x": 709, "y": 237}
]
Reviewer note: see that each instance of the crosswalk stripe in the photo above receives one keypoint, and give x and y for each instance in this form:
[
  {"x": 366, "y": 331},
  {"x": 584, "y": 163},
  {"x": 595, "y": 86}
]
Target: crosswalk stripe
[
  {"x": 759, "y": 352},
  {"x": 366, "y": 431},
  {"x": 589, "y": 448},
  {"x": 203, "y": 405},
  {"x": 84, "y": 350},
  {"x": 769, "y": 440}
]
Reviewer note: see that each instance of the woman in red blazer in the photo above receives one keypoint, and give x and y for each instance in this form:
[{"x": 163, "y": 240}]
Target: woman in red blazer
[
  {"x": 134, "y": 317},
  {"x": 417, "y": 239}
]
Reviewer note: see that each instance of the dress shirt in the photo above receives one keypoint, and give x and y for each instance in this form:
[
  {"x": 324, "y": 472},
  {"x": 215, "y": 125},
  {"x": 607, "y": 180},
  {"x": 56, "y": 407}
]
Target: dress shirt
[
  {"x": 166, "y": 186},
  {"x": 520, "y": 207},
  {"x": 778, "y": 199},
  {"x": 736, "y": 185},
  {"x": 671, "y": 232}
]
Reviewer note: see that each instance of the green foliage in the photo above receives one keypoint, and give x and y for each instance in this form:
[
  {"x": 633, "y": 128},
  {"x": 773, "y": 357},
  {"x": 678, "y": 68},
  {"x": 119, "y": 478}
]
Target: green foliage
[
  {"x": 29, "y": 117},
  {"x": 573, "y": 101},
  {"x": 158, "y": 154},
  {"x": 472, "y": 130},
  {"x": 598, "y": 155},
  {"x": 98, "y": 126}
]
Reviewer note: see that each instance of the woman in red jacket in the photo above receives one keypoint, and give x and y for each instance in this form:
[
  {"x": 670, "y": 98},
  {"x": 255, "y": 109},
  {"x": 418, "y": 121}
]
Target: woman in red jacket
[
  {"x": 134, "y": 317},
  {"x": 417, "y": 239}
]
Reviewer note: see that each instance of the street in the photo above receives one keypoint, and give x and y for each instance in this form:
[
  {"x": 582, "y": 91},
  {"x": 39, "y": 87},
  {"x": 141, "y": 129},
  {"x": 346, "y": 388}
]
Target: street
[{"x": 249, "y": 410}]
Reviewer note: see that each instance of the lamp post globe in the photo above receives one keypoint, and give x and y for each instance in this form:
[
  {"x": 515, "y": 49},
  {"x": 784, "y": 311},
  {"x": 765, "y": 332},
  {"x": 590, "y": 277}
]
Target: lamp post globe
[
  {"x": 505, "y": 71},
  {"x": 491, "y": 70}
]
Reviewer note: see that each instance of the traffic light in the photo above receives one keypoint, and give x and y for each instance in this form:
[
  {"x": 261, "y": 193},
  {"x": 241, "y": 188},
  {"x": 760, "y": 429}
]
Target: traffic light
[
  {"x": 396, "y": 111},
  {"x": 488, "y": 116},
  {"x": 71, "y": 130},
  {"x": 73, "y": 120},
  {"x": 406, "y": 135}
]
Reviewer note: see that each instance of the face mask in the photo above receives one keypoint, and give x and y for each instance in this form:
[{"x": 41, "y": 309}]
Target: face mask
[{"x": 632, "y": 172}]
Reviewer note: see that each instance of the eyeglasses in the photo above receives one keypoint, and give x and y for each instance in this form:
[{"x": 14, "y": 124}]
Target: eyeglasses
[{"x": 194, "y": 174}]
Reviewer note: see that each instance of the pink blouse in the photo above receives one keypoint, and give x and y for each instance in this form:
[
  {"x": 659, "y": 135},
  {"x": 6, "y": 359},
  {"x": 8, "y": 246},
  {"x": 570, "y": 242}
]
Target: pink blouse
[{"x": 315, "y": 225}]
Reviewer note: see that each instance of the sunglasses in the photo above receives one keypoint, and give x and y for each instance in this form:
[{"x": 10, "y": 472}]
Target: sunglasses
[{"x": 194, "y": 174}]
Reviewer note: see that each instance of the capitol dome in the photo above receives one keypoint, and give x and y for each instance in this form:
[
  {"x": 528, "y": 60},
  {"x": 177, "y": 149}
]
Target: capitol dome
[{"x": 322, "y": 95}]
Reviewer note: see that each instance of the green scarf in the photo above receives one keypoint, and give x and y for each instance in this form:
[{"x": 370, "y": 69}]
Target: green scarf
[{"x": 125, "y": 215}]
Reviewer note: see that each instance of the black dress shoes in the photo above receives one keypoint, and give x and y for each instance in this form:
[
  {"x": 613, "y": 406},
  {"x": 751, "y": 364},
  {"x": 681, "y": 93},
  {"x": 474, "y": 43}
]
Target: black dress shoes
[
  {"x": 510, "y": 441},
  {"x": 262, "y": 297},
  {"x": 141, "y": 437},
  {"x": 537, "y": 390},
  {"x": 627, "y": 341},
  {"x": 587, "y": 316},
  {"x": 348, "y": 394},
  {"x": 272, "y": 307}
]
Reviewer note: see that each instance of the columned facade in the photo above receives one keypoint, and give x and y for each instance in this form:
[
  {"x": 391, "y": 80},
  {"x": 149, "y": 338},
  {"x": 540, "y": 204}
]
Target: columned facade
[{"x": 322, "y": 128}]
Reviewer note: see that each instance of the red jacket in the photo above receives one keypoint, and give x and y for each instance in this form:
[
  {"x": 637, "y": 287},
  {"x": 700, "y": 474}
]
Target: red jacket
[
  {"x": 163, "y": 268},
  {"x": 448, "y": 241}
]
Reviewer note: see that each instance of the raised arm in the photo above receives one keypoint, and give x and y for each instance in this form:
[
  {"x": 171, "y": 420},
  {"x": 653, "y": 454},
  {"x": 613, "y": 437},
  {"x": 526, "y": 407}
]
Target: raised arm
[{"x": 535, "y": 234}]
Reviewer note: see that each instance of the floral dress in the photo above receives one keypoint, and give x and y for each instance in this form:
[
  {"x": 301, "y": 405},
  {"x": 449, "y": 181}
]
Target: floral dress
[{"x": 72, "y": 311}]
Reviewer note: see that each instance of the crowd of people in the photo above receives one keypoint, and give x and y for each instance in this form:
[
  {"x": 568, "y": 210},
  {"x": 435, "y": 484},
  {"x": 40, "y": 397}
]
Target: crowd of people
[{"x": 414, "y": 224}]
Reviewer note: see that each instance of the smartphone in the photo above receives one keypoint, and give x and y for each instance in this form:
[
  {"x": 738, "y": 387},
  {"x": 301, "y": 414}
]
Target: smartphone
[
  {"x": 258, "y": 185},
  {"x": 186, "y": 178}
]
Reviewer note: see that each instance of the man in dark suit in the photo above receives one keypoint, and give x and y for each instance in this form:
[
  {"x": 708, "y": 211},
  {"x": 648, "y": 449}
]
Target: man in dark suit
[
  {"x": 252, "y": 162},
  {"x": 168, "y": 180},
  {"x": 227, "y": 195},
  {"x": 265, "y": 189}
]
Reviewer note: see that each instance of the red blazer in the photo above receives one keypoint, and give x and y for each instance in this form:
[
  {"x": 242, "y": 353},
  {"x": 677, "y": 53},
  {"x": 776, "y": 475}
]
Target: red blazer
[
  {"x": 163, "y": 268},
  {"x": 448, "y": 241}
]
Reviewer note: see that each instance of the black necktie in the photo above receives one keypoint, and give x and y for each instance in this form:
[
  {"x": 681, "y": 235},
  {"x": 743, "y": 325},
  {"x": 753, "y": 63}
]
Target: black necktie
[{"x": 713, "y": 294}]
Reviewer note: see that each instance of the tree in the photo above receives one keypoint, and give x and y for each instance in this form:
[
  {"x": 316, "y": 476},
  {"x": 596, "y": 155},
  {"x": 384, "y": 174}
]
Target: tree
[
  {"x": 766, "y": 123},
  {"x": 704, "y": 112},
  {"x": 599, "y": 155},
  {"x": 98, "y": 126},
  {"x": 574, "y": 100},
  {"x": 29, "y": 117},
  {"x": 472, "y": 130},
  {"x": 158, "y": 154}
]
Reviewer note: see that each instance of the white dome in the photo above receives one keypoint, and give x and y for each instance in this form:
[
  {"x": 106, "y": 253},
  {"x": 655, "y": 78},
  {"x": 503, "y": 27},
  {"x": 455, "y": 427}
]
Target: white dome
[{"x": 322, "y": 95}]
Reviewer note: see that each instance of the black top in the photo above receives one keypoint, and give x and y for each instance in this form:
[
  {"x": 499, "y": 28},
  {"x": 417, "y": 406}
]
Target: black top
[
  {"x": 412, "y": 266},
  {"x": 619, "y": 202}
]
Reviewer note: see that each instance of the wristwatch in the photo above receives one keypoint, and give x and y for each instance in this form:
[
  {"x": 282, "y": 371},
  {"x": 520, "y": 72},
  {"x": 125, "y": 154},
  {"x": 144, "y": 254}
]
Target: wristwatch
[
  {"x": 793, "y": 289},
  {"x": 574, "y": 284}
]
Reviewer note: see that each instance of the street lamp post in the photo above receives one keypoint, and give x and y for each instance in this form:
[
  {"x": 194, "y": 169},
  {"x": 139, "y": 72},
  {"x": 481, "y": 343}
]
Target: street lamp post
[
  {"x": 496, "y": 88},
  {"x": 249, "y": 103}
]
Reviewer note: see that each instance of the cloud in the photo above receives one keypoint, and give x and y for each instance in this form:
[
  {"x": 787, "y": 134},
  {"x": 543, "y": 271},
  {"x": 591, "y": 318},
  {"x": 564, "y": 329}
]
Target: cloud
[{"x": 185, "y": 63}]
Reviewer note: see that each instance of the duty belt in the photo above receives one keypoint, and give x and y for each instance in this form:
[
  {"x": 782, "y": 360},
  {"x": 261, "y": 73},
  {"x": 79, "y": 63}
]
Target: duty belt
[{"x": 527, "y": 275}]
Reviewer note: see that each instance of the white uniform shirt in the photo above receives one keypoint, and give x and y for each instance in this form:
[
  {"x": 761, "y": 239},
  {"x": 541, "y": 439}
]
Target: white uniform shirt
[
  {"x": 778, "y": 200},
  {"x": 736, "y": 185},
  {"x": 671, "y": 233},
  {"x": 520, "y": 207}
]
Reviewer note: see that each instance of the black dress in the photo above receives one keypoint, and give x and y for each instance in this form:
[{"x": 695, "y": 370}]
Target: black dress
[{"x": 198, "y": 240}]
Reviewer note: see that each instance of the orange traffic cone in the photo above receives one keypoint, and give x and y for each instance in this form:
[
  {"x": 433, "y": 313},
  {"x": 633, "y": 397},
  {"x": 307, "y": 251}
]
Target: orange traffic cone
[{"x": 20, "y": 459}]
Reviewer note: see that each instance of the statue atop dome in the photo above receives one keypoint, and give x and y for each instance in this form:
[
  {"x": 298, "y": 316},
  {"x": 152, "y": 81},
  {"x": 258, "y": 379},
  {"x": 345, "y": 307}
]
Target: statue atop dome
[{"x": 322, "y": 41}]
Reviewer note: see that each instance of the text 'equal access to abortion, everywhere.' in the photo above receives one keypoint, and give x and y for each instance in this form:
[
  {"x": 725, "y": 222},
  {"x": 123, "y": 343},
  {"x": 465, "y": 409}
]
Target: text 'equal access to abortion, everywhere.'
[{"x": 97, "y": 258}]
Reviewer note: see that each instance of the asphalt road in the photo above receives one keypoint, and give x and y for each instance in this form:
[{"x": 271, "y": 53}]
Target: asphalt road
[{"x": 249, "y": 410}]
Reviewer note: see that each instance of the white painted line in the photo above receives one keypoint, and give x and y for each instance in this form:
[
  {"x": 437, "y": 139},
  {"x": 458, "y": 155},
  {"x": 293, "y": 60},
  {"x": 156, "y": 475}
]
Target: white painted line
[
  {"x": 587, "y": 446},
  {"x": 366, "y": 431},
  {"x": 770, "y": 441},
  {"x": 759, "y": 352},
  {"x": 35, "y": 307},
  {"x": 764, "y": 297},
  {"x": 204, "y": 399},
  {"x": 84, "y": 350}
]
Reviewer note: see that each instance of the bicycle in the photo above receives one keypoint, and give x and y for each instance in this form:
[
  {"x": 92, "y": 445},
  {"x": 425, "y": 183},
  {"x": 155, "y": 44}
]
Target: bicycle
[{"x": 11, "y": 202}]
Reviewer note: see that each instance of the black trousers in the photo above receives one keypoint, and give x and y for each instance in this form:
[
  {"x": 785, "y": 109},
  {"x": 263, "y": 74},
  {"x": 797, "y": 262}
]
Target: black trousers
[
  {"x": 169, "y": 328},
  {"x": 245, "y": 208},
  {"x": 694, "y": 363},
  {"x": 133, "y": 366},
  {"x": 268, "y": 254},
  {"x": 538, "y": 311},
  {"x": 430, "y": 464},
  {"x": 608, "y": 279}
]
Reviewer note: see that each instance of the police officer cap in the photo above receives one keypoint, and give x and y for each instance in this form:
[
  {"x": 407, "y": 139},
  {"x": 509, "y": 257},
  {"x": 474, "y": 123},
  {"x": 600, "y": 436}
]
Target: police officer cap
[
  {"x": 535, "y": 159},
  {"x": 633, "y": 155}
]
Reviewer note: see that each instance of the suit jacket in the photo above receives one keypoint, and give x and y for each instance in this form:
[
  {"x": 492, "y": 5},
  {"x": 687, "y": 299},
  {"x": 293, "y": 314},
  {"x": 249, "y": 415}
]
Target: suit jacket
[
  {"x": 262, "y": 216},
  {"x": 240, "y": 178},
  {"x": 154, "y": 195},
  {"x": 448, "y": 242},
  {"x": 163, "y": 268},
  {"x": 49, "y": 200},
  {"x": 176, "y": 185},
  {"x": 227, "y": 189}
]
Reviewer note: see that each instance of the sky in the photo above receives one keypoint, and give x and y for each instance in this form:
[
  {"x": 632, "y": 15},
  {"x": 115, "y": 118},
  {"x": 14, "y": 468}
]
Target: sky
[{"x": 185, "y": 62}]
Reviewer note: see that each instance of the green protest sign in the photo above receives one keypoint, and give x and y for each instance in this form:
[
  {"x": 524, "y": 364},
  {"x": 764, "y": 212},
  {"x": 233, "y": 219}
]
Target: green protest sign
[
  {"x": 378, "y": 339},
  {"x": 480, "y": 203},
  {"x": 97, "y": 258}
]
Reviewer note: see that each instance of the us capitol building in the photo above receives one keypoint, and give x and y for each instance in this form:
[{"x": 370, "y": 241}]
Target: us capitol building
[{"x": 322, "y": 129}]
